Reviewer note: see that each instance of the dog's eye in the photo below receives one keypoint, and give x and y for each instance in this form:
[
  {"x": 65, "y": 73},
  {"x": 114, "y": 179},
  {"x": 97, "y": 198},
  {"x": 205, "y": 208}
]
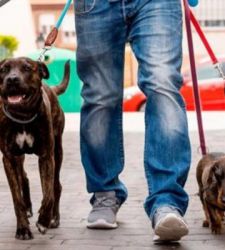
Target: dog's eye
[
  {"x": 4, "y": 69},
  {"x": 27, "y": 68}
]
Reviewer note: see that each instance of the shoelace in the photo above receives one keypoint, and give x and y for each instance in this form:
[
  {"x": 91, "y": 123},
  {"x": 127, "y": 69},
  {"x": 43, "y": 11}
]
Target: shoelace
[{"x": 105, "y": 202}]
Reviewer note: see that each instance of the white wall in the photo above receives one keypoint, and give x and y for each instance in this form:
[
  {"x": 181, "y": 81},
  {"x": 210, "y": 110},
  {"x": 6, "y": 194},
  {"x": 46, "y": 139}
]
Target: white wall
[{"x": 16, "y": 19}]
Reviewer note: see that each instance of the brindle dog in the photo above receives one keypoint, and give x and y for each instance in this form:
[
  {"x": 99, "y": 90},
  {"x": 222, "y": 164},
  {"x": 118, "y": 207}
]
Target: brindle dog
[
  {"x": 31, "y": 121},
  {"x": 211, "y": 180}
]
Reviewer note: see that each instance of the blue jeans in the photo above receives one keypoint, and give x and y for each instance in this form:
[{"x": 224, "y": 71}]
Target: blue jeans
[{"x": 154, "y": 30}]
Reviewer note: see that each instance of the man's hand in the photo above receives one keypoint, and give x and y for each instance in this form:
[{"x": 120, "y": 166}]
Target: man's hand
[{"x": 193, "y": 3}]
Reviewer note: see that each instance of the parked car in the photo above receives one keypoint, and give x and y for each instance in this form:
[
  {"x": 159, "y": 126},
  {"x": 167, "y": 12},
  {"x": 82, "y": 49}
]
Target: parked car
[{"x": 211, "y": 88}]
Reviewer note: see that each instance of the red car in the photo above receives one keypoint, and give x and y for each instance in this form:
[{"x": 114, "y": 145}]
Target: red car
[{"x": 211, "y": 88}]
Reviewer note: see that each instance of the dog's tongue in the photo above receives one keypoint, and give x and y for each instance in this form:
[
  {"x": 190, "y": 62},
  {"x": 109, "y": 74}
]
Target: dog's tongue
[{"x": 15, "y": 99}]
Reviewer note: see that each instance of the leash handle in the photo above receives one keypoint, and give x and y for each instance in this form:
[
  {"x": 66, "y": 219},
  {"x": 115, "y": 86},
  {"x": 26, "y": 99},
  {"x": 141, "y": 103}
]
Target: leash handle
[{"x": 194, "y": 78}]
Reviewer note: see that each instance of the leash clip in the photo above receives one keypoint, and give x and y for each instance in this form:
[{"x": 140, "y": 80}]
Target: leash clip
[
  {"x": 42, "y": 54},
  {"x": 220, "y": 69},
  {"x": 48, "y": 43}
]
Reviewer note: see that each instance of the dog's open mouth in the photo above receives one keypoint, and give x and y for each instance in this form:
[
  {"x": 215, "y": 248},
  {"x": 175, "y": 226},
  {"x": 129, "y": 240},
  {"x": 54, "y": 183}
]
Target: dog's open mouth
[{"x": 16, "y": 99}]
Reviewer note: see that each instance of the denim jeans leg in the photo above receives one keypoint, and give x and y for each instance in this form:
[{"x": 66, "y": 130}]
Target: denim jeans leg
[
  {"x": 156, "y": 38},
  {"x": 101, "y": 35}
]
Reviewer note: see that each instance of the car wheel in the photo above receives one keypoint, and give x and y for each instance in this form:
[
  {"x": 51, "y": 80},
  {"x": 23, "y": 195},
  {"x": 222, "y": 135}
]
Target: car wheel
[{"x": 142, "y": 107}]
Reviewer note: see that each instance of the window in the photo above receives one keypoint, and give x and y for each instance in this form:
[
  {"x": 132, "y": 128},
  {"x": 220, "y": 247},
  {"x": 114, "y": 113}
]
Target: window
[
  {"x": 46, "y": 23},
  {"x": 210, "y": 13},
  {"x": 205, "y": 71}
]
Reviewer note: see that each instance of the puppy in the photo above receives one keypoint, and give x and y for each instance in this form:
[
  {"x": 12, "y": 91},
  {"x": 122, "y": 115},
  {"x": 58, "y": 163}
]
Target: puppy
[
  {"x": 211, "y": 180},
  {"x": 31, "y": 122}
]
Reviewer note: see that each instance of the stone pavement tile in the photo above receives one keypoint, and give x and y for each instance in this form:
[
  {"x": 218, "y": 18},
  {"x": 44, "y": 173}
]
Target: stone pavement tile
[
  {"x": 14, "y": 246},
  {"x": 69, "y": 247},
  {"x": 179, "y": 246},
  {"x": 97, "y": 243},
  {"x": 134, "y": 232}
]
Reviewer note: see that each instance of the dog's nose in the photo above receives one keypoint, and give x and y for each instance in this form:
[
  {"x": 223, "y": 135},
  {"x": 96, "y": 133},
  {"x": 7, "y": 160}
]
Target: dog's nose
[{"x": 13, "y": 79}]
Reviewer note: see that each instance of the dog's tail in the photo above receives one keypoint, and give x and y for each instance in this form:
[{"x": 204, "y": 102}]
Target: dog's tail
[{"x": 61, "y": 88}]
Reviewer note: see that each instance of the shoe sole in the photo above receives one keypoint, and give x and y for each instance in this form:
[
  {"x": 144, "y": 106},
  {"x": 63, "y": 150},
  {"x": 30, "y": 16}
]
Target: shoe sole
[
  {"x": 101, "y": 224},
  {"x": 170, "y": 228}
]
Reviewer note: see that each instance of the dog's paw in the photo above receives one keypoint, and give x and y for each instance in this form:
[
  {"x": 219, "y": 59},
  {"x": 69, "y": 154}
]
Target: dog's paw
[
  {"x": 216, "y": 229},
  {"x": 42, "y": 229},
  {"x": 205, "y": 223},
  {"x": 54, "y": 223},
  {"x": 23, "y": 233}
]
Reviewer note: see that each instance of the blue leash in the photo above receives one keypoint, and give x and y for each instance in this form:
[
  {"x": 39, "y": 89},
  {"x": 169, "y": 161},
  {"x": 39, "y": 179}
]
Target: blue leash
[
  {"x": 54, "y": 32},
  {"x": 66, "y": 8}
]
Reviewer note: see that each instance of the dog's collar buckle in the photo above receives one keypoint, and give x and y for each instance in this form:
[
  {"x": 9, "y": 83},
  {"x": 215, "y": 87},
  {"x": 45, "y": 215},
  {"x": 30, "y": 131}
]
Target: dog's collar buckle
[{"x": 6, "y": 112}]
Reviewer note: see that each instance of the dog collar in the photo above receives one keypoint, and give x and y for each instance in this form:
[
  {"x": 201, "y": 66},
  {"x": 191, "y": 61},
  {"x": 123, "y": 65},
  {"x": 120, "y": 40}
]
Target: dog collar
[{"x": 6, "y": 112}]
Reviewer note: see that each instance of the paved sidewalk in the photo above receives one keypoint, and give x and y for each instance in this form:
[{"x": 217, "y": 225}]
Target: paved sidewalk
[{"x": 134, "y": 232}]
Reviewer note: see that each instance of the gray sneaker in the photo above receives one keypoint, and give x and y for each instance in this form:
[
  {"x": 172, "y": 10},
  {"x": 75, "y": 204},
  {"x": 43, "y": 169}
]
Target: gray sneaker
[
  {"x": 168, "y": 225},
  {"x": 104, "y": 210}
]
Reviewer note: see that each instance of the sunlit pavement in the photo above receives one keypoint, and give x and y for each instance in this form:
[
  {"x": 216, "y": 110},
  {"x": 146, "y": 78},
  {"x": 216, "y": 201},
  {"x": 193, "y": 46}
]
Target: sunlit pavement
[
  {"x": 134, "y": 121},
  {"x": 134, "y": 232}
]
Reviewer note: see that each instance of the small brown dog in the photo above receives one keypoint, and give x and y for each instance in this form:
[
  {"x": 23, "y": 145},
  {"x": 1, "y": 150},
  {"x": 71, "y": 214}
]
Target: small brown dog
[
  {"x": 31, "y": 122},
  {"x": 211, "y": 180}
]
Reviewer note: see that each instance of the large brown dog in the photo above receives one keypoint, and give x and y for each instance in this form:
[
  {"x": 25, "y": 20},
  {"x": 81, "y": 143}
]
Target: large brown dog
[
  {"x": 31, "y": 121},
  {"x": 211, "y": 181}
]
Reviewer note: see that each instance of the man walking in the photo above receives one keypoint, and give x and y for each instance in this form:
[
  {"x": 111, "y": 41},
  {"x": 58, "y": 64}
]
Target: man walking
[{"x": 154, "y": 30}]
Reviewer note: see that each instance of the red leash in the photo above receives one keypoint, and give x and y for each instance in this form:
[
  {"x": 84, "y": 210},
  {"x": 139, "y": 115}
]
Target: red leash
[
  {"x": 194, "y": 77},
  {"x": 203, "y": 38},
  {"x": 206, "y": 44}
]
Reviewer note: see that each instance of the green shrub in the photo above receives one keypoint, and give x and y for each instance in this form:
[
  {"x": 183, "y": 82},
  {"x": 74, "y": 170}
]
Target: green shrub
[{"x": 8, "y": 44}]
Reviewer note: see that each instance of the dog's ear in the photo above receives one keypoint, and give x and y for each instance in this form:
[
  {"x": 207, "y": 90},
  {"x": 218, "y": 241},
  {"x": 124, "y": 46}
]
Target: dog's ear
[
  {"x": 43, "y": 70},
  {"x": 217, "y": 172},
  {"x": 1, "y": 65},
  {"x": 2, "y": 62}
]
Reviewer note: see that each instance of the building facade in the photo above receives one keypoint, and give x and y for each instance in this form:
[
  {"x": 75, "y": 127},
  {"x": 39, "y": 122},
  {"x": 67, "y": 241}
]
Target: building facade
[
  {"x": 16, "y": 20},
  {"x": 210, "y": 14}
]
